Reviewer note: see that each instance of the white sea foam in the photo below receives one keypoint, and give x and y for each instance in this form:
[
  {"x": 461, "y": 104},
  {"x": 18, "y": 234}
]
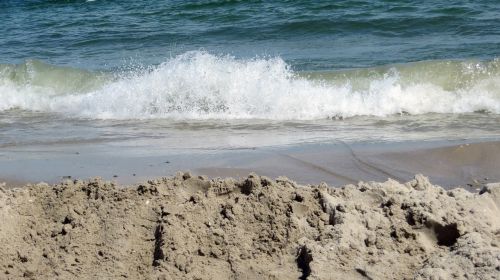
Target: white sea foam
[{"x": 198, "y": 85}]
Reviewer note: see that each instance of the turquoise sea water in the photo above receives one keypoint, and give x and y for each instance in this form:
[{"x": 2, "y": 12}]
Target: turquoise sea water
[{"x": 76, "y": 71}]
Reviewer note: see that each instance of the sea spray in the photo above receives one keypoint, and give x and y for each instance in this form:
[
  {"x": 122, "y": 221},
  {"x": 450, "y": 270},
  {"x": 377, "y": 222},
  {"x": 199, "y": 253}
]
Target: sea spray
[{"x": 200, "y": 85}]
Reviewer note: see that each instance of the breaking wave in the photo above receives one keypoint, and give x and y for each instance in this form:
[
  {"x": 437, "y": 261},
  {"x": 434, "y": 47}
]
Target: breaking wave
[{"x": 199, "y": 85}]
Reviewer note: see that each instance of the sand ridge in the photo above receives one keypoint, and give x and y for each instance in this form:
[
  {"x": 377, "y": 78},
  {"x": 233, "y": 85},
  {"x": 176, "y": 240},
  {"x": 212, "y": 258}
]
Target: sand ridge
[{"x": 187, "y": 227}]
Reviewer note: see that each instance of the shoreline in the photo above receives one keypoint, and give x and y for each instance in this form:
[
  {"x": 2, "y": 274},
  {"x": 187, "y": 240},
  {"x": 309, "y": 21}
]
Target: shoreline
[
  {"x": 468, "y": 163},
  {"x": 188, "y": 227}
]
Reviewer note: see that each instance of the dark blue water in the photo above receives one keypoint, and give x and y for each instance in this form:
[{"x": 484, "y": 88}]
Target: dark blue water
[{"x": 308, "y": 35}]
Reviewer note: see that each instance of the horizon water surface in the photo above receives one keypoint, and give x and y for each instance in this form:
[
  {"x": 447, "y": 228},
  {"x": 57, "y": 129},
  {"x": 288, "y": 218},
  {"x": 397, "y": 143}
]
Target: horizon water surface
[{"x": 136, "y": 78}]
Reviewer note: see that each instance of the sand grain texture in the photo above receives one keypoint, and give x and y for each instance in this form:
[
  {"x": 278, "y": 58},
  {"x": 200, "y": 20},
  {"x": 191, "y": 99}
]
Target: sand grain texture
[{"x": 188, "y": 227}]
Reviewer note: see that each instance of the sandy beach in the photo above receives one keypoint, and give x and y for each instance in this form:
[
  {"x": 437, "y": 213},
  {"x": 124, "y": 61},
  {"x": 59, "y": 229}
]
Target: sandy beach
[
  {"x": 212, "y": 226},
  {"x": 187, "y": 227}
]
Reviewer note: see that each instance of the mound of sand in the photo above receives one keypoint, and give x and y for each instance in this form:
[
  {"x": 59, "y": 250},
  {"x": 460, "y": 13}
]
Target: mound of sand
[{"x": 257, "y": 228}]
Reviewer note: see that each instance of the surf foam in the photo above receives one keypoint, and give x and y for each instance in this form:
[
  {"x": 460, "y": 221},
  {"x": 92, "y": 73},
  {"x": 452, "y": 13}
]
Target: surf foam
[{"x": 199, "y": 85}]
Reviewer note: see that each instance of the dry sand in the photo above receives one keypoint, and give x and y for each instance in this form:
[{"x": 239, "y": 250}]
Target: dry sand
[{"x": 193, "y": 228}]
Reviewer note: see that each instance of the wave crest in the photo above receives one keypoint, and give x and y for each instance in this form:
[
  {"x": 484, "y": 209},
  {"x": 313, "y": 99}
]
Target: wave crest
[{"x": 199, "y": 85}]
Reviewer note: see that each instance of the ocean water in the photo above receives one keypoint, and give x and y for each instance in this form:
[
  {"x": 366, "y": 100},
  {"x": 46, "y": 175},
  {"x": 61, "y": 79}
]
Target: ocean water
[{"x": 208, "y": 75}]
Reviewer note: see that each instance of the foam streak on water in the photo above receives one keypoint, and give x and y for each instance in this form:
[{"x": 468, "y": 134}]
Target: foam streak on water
[{"x": 199, "y": 85}]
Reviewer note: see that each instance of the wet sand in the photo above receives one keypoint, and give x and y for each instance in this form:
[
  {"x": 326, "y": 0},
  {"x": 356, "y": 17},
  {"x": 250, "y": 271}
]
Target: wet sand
[{"x": 447, "y": 163}]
